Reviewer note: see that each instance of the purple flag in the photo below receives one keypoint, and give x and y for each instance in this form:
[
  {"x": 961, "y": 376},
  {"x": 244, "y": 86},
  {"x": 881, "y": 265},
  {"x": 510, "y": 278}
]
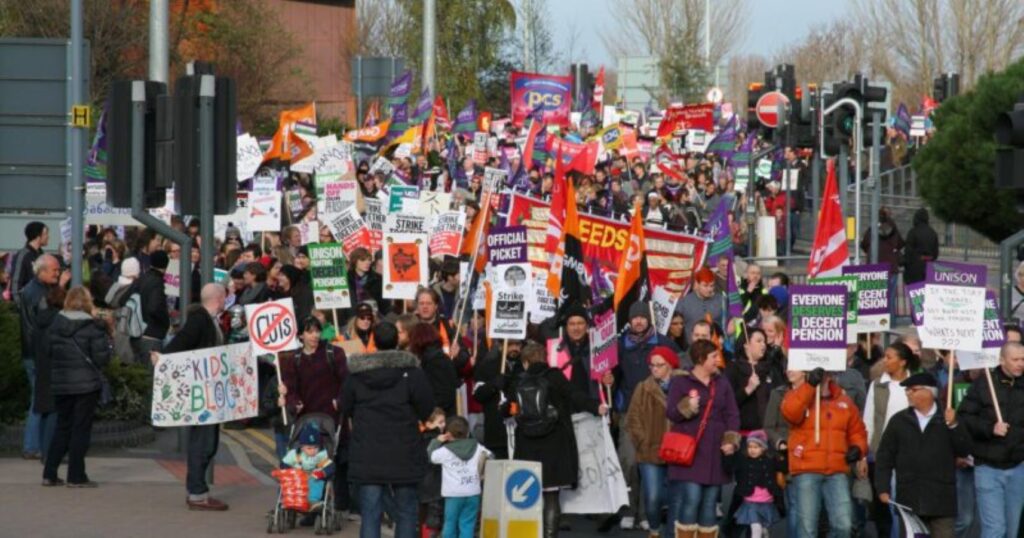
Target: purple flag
[
  {"x": 399, "y": 122},
  {"x": 902, "y": 120},
  {"x": 400, "y": 89},
  {"x": 465, "y": 121},
  {"x": 423, "y": 108}
]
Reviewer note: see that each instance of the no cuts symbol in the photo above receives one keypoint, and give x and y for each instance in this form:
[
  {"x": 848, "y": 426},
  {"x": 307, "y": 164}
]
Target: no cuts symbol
[{"x": 273, "y": 326}]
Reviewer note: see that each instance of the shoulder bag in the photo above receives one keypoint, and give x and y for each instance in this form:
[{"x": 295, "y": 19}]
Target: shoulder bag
[{"x": 680, "y": 448}]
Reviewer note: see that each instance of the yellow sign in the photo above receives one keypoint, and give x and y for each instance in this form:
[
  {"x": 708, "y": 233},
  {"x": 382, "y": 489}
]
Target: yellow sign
[{"x": 81, "y": 116}]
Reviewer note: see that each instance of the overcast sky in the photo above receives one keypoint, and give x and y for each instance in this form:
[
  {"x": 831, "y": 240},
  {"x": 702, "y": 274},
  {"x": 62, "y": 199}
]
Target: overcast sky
[{"x": 773, "y": 24}]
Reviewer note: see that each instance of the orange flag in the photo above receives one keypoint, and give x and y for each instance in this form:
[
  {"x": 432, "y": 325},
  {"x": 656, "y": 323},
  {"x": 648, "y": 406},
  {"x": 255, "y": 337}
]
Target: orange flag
[
  {"x": 629, "y": 265},
  {"x": 570, "y": 232},
  {"x": 286, "y": 145}
]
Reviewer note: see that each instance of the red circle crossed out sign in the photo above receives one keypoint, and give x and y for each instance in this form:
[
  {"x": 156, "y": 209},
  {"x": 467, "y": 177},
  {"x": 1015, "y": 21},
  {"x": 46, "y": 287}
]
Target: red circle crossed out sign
[
  {"x": 273, "y": 326},
  {"x": 769, "y": 108}
]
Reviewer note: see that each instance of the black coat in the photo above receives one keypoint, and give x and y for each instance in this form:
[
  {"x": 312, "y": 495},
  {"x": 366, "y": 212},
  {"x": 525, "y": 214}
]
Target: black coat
[
  {"x": 490, "y": 386},
  {"x": 32, "y": 301},
  {"x": 752, "y": 407},
  {"x": 374, "y": 288},
  {"x": 978, "y": 414},
  {"x": 557, "y": 451},
  {"x": 924, "y": 462},
  {"x": 441, "y": 375},
  {"x": 921, "y": 246},
  {"x": 386, "y": 396},
  {"x": 150, "y": 287},
  {"x": 72, "y": 336},
  {"x": 43, "y": 402},
  {"x": 750, "y": 473},
  {"x": 198, "y": 332}
]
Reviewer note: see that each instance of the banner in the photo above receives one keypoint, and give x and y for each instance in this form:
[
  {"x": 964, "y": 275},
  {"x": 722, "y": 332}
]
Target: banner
[
  {"x": 851, "y": 283},
  {"x": 205, "y": 386},
  {"x": 446, "y": 233},
  {"x": 553, "y": 94},
  {"x": 374, "y": 218},
  {"x": 265, "y": 212},
  {"x": 330, "y": 281},
  {"x": 601, "y": 488},
  {"x": 405, "y": 265},
  {"x": 506, "y": 245},
  {"x": 664, "y": 305},
  {"x": 954, "y": 306},
  {"x": 692, "y": 117},
  {"x": 817, "y": 335},
  {"x": 992, "y": 339},
  {"x": 371, "y": 135},
  {"x": 671, "y": 256},
  {"x": 872, "y": 297},
  {"x": 604, "y": 349},
  {"x": 511, "y": 284},
  {"x": 250, "y": 156}
]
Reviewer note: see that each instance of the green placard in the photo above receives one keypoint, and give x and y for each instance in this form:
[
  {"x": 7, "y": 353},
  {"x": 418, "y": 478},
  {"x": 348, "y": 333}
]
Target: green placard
[
  {"x": 330, "y": 279},
  {"x": 851, "y": 283}
]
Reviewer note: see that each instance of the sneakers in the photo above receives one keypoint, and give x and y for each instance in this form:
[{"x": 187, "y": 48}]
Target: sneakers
[
  {"x": 48, "y": 483},
  {"x": 644, "y": 525},
  {"x": 208, "y": 504},
  {"x": 627, "y": 523},
  {"x": 86, "y": 484}
]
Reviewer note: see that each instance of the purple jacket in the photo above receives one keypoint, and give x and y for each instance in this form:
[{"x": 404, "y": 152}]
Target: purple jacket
[{"x": 723, "y": 424}]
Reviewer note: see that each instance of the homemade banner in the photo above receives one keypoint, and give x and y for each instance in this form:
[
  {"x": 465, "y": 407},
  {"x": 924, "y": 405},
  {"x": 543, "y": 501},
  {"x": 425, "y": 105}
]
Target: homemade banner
[
  {"x": 552, "y": 94},
  {"x": 664, "y": 304},
  {"x": 405, "y": 265},
  {"x": 817, "y": 335},
  {"x": 671, "y": 256},
  {"x": 511, "y": 284},
  {"x": 446, "y": 233},
  {"x": 272, "y": 326},
  {"x": 330, "y": 281},
  {"x": 602, "y": 486},
  {"x": 506, "y": 245},
  {"x": 205, "y": 386},
  {"x": 852, "y": 284},
  {"x": 872, "y": 297},
  {"x": 993, "y": 338},
  {"x": 264, "y": 212},
  {"x": 604, "y": 349},
  {"x": 954, "y": 306}
]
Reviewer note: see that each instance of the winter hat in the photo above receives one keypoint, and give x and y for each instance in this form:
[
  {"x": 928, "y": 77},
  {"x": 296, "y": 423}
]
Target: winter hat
[
  {"x": 758, "y": 437},
  {"x": 292, "y": 273},
  {"x": 33, "y": 230},
  {"x": 704, "y": 276},
  {"x": 666, "y": 353},
  {"x": 781, "y": 295},
  {"x": 309, "y": 435},
  {"x": 575, "y": 310},
  {"x": 159, "y": 259},
  {"x": 130, "y": 268},
  {"x": 640, "y": 309}
]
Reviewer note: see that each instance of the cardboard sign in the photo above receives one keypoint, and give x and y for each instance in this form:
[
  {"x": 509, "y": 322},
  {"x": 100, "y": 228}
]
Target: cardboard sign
[
  {"x": 250, "y": 157},
  {"x": 374, "y": 218},
  {"x": 506, "y": 245},
  {"x": 852, "y": 284},
  {"x": 872, "y": 297},
  {"x": 205, "y": 386},
  {"x": 398, "y": 196},
  {"x": 602, "y": 486},
  {"x": 817, "y": 335},
  {"x": 264, "y": 212},
  {"x": 511, "y": 284},
  {"x": 349, "y": 229},
  {"x": 664, "y": 304},
  {"x": 434, "y": 202},
  {"x": 330, "y": 280},
  {"x": 954, "y": 306},
  {"x": 272, "y": 326},
  {"x": 404, "y": 223},
  {"x": 604, "y": 349},
  {"x": 993, "y": 338},
  {"x": 338, "y": 196},
  {"x": 540, "y": 304},
  {"x": 405, "y": 265},
  {"x": 446, "y": 231}
]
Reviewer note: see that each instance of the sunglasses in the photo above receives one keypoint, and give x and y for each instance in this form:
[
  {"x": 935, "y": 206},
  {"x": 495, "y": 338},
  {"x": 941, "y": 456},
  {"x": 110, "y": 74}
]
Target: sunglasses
[{"x": 366, "y": 317}]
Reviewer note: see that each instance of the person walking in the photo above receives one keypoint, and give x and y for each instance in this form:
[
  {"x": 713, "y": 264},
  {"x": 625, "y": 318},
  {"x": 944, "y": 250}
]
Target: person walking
[
  {"x": 921, "y": 247},
  {"x": 37, "y": 236},
  {"x": 155, "y": 314},
  {"x": 495, "y": 391},
  {"x": 701, "y": 404},
  {"x": 921, "y": 448},
  {"x": 386, "y": 397},
  {"x": 201, "y": 330},
  {"x": 79, "y": 348}
]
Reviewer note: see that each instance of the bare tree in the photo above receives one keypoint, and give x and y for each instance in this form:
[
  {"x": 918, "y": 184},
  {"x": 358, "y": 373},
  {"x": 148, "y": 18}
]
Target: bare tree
[
  {"x": 378, "y": 22},
  {"x": 742, "y": 71},
  {"x": 539, "y": 54},
  {"x": 832, "y": 53}
]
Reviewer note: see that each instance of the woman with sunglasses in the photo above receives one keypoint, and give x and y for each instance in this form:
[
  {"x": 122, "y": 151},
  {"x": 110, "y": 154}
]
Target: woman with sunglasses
[{"x": 359, "y": 329}]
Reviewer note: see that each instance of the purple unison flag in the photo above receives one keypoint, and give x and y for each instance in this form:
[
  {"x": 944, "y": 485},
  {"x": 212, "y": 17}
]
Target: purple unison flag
[
  {"x": 724, "y": 143},
  {"x": 423, "y": 108},
  {"x": 717, "y": 226},
  {"x": 465, "y": 121},
  {"x": 741, "y": 157},
  {"x": 817, "y": 334},
  {"x": 902, "y": 120},
  {"x": 399, "y": 122},
  {"x": 400, "y": 89}
]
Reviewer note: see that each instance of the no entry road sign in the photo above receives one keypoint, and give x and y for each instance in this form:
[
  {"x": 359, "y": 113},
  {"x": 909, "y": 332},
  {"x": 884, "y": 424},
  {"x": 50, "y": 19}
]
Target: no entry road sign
[{"x": 771, "y": 108}]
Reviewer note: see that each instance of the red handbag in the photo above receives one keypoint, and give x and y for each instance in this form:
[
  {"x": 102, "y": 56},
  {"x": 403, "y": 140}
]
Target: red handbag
[{"x": 680, "y": 448}]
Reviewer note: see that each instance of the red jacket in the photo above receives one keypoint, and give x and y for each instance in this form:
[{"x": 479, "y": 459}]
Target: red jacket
[{"x": 841, "y": 428}]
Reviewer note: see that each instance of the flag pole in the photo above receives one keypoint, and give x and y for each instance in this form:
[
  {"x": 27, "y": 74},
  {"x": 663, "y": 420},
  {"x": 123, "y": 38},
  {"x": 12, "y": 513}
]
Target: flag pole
[
  {"x": 949, "y": 381},
  {"x": 817, "y": 415},
  {"x": 504, "y": 355},
  {"x": 472, "y": 261},
  {"x": 277, "y": 369},
  {"x": 992, "y": 393}
]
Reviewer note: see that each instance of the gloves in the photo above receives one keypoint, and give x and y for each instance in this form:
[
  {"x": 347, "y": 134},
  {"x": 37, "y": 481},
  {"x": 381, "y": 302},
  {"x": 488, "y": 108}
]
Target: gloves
[
  {"x": 499, "y": 382},
  {"x": 815, "y": 376},
  {"x": 320, "y": 475},
  {"x": 852, "y": 454}
]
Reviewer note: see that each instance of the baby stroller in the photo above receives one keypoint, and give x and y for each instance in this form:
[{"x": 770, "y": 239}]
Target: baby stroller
[{"x": 327, "y": 520}]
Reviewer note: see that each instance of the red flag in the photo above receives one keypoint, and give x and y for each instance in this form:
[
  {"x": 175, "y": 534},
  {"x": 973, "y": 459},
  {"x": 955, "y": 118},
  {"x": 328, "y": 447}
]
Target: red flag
[
  {"x": 632, "y": 273},
  {"x": 598, "y": 102},
  {"x": 531, "y": 139},
  {"x": 927, "y": 105},
  {"x": 569, "y": 248},
  {"x": 556, "y": 215},
  {"x": 441, "y": 114},
  {"x": 830, "y": 251}
]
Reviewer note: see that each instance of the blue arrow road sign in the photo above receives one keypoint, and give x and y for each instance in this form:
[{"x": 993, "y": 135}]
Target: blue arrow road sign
[{"x": 522, "y": 489}]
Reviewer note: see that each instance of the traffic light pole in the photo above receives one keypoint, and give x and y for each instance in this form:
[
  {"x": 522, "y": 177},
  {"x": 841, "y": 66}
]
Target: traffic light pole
[
  {"x": 876, "y": 191},
  {"x": 75, "y": 145},
  {"x": 207, "y": 92},
  {"x": 858, "y": 149},
  {"x": 139, "y": 212}
]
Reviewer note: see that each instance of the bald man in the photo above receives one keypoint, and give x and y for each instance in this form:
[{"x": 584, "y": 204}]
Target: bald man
[{"x": 201, "y": 330}]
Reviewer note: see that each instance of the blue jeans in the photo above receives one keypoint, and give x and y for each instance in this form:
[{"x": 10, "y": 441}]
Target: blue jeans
[
  {"x": 1000, "y": 499},
  {"x": 39, "y": 427},
  {"x": 811, "y": 490},
  {"x": 966, "y": 511},
  {"x": 401, "y": 501},
  {"x": 460, "y": 516},
  {"x": 690, "y": 502},
  {"x": 653, "y": 480},
  {"x": 791, "y": 502}
]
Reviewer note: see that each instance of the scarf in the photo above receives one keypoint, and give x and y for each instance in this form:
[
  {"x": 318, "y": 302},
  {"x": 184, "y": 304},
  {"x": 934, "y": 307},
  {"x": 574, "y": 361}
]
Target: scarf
[{"x": 634, "y": 340}]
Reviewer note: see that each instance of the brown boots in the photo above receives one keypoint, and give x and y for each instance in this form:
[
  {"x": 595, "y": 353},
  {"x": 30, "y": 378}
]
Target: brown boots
[
  {"x": 707, "y": 532},
  {"x": 693, "y": 531}
]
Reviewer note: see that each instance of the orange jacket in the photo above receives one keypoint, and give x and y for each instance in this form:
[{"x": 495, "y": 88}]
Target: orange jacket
[{"x": 841, "y": 428}]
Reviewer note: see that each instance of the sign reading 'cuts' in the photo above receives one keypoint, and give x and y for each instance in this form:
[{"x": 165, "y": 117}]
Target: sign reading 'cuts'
[{"x": 272, "y": 326}]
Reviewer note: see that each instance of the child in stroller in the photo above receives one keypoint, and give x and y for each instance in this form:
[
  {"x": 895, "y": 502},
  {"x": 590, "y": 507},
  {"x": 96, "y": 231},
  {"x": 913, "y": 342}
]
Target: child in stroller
[{"x": 306, "y": 477}]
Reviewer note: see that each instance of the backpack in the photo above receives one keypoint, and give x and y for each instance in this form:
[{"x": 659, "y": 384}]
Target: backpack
[
  {"x": 128, "y": 318},
  {"x": 537, "y": 416}
]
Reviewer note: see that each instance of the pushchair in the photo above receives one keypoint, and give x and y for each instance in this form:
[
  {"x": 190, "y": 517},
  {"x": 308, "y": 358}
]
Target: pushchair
[{"x": 327, "y": 520}]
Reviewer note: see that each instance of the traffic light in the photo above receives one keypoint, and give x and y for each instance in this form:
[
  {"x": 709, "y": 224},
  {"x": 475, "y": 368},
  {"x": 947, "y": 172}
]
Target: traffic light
[
  {"x": 1010, "y": 155},
  {"x": 839, "y": 125},
  {"x": 187, "y": 146},
  {"x": 805, "y": 127},
  {"x": 158, "y": 142},
  {"x": 582, "y": 86},
  {"x": 945, "y": 87},
  {"x": 754, "y": 92}
]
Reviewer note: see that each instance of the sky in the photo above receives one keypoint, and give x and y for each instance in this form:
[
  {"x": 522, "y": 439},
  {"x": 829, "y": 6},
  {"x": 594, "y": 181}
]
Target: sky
[{"x": 783, "y": 21}]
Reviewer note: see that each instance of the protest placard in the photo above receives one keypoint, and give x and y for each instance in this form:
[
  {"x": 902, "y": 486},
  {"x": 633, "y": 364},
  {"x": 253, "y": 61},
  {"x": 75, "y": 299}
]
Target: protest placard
[
  {"x": 915, "y": 294},
  {"x": 494, "y": 178},
  {"x": 602, "y": 486},
  {"x": 374, "y": 218},
  {"x": 664, "y": 304},
  {"x": 330, "y": 280},
  {"x": 852, "y": 284},
  {"x": 332, "y": 158},
  {"x": 506, "y": 245},
  {"x": 405, "y": 265},
  {"x": 338, "y": 196},
  {"x": 511, "y": 285},
  {"x": 434, "y": 202},
  {"x": 349, "y": 229},
  {"x": 446, "y": 233},
  {"x": 479, "y": 149},
  {"x": 817, "y": 336},
  {"x": 604, "y": 349},
  {"x": 239, "y": 219},
  {"x": 250, "y": 157},
  {"x": 399, "y": 197},
  {"x": 172, "y": 280},
  {"x": 540, "y": 303},
  {"x": 264, "y": 212},
  {"x": 992, "y": 339},
  {"x": 954, "y": 306},
  {"x": 872, "y": 297},
  {"x": 205, "y": 386},
  {"x": 383, "y": 166},
  {"x": 405, "y": 223},
  {"x": 272, "y": 326},
  {"x": 265, "y": 181}
]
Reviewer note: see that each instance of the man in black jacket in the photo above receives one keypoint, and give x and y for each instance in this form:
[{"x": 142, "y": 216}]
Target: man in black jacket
[
  {"x": 998, "y": 445},
  {"x": 387, "y": 396},
  {"x": 922, "y": 451},
  {"x": 201, "y": 331},
  {"x": 921, "y": 247},
  {"x": 494, "y": 391},
  {"x": 37, "y": 235},
  {"x": 150, "y": 288}
]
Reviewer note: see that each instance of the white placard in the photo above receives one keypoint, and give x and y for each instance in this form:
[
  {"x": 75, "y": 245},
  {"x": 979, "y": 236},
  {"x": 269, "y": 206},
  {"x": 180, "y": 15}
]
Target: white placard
[
  {"x": 954, "y": 317},
  {"x": 510, "y": 286},
  {"x": 405, "y": 265},
  {"x": 432, "y": 203},
  {"x": 265, "y": 212},
  {"x": 540, "y": 303},
  {"x": 272, "y": 326},
  {"x": 602, "y": 487},
  {"x": 250, "y": 156},
  {"x": 205, "y": 386},
  {"x": 664, "y": 304},
  {"x": 405, "y": 223}
]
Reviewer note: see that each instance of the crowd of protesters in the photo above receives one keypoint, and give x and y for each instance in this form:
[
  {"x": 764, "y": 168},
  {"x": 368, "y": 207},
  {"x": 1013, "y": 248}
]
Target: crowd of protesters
[{"x": 412, "y": 389}]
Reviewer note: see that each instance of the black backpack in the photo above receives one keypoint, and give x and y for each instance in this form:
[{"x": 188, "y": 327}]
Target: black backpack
[{"x": 537, "y": 416}]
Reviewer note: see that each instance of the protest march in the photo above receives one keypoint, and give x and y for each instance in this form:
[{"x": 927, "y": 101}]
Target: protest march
[{"x": 560, "y": 315}]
